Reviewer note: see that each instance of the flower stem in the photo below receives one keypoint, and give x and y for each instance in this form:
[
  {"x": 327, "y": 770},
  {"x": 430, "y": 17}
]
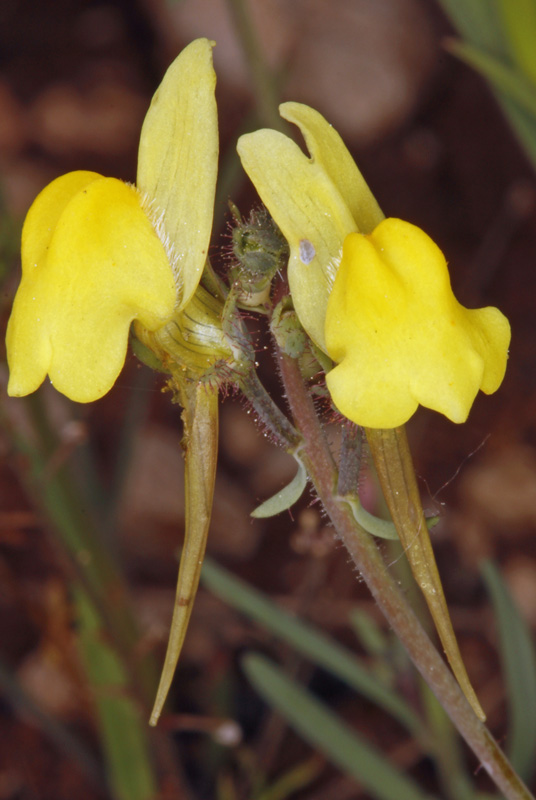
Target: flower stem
[
  {"x": 364, "y": 552},
  {"x": 264, "y": 86},
  {"x": 270, "y": 416}
]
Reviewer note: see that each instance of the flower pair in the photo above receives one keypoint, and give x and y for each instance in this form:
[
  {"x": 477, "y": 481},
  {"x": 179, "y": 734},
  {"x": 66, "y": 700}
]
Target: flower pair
[{"x": 374, "y": 294}]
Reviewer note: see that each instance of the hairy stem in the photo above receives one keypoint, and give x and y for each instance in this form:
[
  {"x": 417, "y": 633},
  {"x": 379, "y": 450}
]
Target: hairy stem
[
  {"x": 270, "y": 416},
  {"x": 363, "y": 551}
]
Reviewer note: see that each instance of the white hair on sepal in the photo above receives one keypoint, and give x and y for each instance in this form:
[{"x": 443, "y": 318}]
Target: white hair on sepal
[
  {"x": 157, "y": 219},
  {"x": 332, "y": 267}
]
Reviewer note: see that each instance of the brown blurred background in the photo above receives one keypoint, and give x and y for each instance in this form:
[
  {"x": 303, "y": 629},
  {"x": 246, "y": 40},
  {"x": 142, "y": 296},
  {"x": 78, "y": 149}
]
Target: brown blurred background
[{"x": 75, "y": 81}]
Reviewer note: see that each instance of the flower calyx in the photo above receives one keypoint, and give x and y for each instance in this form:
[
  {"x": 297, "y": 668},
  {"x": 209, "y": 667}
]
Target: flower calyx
[{"x": 259, "y": 250}]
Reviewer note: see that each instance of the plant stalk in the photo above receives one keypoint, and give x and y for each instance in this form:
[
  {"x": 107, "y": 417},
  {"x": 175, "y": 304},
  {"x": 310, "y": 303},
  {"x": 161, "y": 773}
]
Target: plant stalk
[
  {"x": 366, "y": 556},
  {"x": 263, "y": 83}
]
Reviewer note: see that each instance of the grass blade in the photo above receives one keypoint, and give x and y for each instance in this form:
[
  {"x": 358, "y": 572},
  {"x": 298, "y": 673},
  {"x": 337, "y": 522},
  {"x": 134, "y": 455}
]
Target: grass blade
[
  {"x": 326, "y": 732},
  {"x": 519, "y": 668},
  {"x": 480, "y": 23},
  {"x": 123, "y": 729},
  {"x": 483, "y": 27},
  {"x": 309, "y": 642},
  {"x": 509, "y": 82}
]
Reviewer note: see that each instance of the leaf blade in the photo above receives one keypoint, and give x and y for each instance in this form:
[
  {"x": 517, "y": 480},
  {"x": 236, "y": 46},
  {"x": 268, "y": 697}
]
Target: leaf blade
[
  {"x": 519, "y": 667},
  {"x": 326, "y": 732}
]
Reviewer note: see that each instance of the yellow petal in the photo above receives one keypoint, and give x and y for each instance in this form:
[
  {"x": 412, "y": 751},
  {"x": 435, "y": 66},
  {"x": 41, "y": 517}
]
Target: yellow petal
[
  {"x": 328, "y": 150},
  {"x": 29, "y": 354},
  {"x": 178, "y": 159},
  {"x": 45, "y": 212},
  {"x": 309, "y": 210},
  {"x": 399, "y": 335},
  {"x": 103, "y": 266}
]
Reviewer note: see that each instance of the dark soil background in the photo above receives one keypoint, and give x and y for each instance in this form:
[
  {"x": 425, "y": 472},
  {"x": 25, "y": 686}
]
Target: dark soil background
[{"x": 75, "y": 81}]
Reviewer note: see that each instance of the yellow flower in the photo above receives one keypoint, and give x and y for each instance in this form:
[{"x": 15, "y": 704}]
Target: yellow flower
[
  {"x": 400, "y": 337},
  {"x": 316, "y": 202},
  {"x": 98, "y": 253},
  {"x": 383, "y": 310}
]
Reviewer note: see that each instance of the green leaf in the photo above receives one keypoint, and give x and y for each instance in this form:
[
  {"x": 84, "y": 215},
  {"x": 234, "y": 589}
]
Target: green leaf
[
  {"x": 286, "y": 497},
  {"x": 503, "y": 77},
  {"x": 480, "y": 22},
  {"x": 295, "y": 779},
  {"x": 309, "y": 642},
  {"x": 382, "y": 528},
  {"x": 519, "y": 667},
  {"x": 492, "y": 47},
  {"x": 123, "y": 731},
  {"x": 326, "y": 732},
  {"x": 372, "y": 638},
  {"x": 519, "y": 22},
  {"x": 524, "y": 125}
]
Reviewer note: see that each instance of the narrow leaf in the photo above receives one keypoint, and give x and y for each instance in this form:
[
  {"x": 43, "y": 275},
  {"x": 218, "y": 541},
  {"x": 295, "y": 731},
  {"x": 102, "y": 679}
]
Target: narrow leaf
[
  {"x": 479, "y": 22},
  {"x": 502, "y": 76},
  {"x": 286, "y": 497},
  {"x": 326, "y": 732},
  {"x": 122, "y": 728},
  {"x": 519, "y": 22},
  {"x": 519, "y": 667},
  {"x": 382, "y": 528},
  {"x": 309, "y": 642}
]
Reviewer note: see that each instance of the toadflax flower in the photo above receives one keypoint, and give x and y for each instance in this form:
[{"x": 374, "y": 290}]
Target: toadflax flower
[
  {"x": 98, "y": 253},
  {"x": 400, "y": 337},
  {"x": 374, "y": 294}
]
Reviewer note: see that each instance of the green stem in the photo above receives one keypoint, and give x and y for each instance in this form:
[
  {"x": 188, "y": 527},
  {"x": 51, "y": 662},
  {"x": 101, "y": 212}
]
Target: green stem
[
  {"x": 57, "y": 495},
  {"x": 270, "y": 416},
  {"x": 200, "y": 442},
  {"x": 264, "y": 87},
  {"x": 446, "y": 749},
  {"x": 390, "y": 599},
  {"x": 350, "y": 460}
]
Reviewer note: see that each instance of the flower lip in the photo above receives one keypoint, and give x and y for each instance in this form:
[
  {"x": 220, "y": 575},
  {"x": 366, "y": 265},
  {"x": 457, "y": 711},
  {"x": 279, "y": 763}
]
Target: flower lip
[
  {"x": 73, "y": 323},
  {"x": 400, "y": 338}
]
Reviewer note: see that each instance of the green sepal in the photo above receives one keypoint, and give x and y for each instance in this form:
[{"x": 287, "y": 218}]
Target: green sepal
[
  {"x": 287, "y": 329},
  {"x": 260, "y": 251},
  {"x": 145, "y": 354}
]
